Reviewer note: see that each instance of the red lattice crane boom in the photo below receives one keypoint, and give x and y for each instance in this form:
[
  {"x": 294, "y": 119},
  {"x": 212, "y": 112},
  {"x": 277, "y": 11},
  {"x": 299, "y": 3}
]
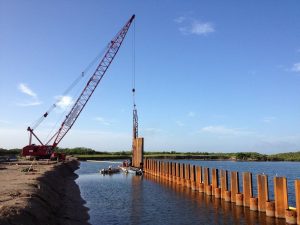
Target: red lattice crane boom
[{"x": 45, "y": 150}]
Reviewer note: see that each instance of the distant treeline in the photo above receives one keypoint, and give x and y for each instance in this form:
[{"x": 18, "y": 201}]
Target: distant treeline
[
  {"x": 5, "y": 152},
  {"x": 89, "y": 151},
  {"x": 246, "y": 156},
  {"x": 69, "y": 151}
]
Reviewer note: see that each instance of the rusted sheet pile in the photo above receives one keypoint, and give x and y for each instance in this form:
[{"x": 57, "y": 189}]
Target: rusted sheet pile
[{"x": 207, "y": 181}]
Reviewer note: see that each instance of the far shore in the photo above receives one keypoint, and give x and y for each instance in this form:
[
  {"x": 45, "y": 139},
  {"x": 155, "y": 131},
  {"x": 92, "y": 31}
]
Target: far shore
[
  {"x": 83, "y": 153},
  {"x": 178, "y": 157}
]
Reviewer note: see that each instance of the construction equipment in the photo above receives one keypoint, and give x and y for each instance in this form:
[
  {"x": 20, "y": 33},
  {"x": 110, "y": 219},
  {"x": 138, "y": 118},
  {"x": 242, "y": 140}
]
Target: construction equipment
[
  {"x": 137, "y": 142},
  {"x": 47, "y": 151}
]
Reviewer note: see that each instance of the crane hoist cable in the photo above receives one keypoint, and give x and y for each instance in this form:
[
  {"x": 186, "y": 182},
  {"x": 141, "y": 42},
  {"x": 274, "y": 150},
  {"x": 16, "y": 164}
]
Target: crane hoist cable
[
  {"x": 108, "y": 56},
  {"x": 47, "y": 151},
  {"x": 54, "y": 127},
  {"x": 69, "y": 89},
  {"x": 93, "y": 82},
  {"x": 135, "y": 115},
  {"x": 133, "y": 64}
]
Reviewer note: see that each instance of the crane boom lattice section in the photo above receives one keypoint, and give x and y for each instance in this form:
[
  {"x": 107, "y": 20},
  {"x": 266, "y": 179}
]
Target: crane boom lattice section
[{"x": 93, "y": 82}]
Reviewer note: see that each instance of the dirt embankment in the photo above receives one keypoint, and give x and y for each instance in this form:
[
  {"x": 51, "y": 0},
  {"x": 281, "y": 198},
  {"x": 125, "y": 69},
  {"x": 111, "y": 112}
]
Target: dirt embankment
[{"x": 47, "y": 195}]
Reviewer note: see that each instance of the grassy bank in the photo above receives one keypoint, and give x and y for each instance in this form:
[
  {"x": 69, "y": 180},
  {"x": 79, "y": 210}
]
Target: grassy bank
[
  {"x": 102, "y": 157},
  {"x": 90, "y": 154},
  {"x": 239, "y": 156},
  {"x": 158, "y": 156}
]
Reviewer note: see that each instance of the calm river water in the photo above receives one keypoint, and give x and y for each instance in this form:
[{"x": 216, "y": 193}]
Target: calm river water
[{"x": 128, "y": 199}]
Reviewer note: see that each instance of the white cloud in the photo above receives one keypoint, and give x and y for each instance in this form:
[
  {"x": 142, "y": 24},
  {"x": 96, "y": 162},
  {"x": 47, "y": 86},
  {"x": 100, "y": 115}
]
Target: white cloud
[
  {"x": 191, "y": 26},
  {"x": 26, "y": 90},
  {"x": 200, "y": 28},
  {"x": 269, "y": 119},
  {"x": 180, "y": 19},
  {"x": 191, "y": 114},
  {"x": 221, "y": 130},
  {"x": 179, "y": 123},
  {"x": 103, "y": 121},
  {"x": 30, "y": 103},
  {"x": 296, "y": 67},
  {"x": 64, "y": 101},
  {"x": 34, "y": 98}
]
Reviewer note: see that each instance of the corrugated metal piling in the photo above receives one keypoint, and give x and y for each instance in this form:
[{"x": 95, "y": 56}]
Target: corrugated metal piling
[
  {"x": 247, "y": 188},
  {"x": 206, "y": 180},
  {"x": 193, "y": 177},
  {"x": 297, "y": 190},
  {"x": 234, "y": 185},
  {"x": 224, "y": 183},
  {"x": 262, "y": 192},
  {"x": 281, "y": 197},
  {"x": 138, "y": 152}
]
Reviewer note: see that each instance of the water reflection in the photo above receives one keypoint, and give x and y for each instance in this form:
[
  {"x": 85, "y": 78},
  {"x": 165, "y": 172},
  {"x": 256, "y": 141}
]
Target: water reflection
[
  {"x": 127, "y": 199},
  {"x": 137, "y": 196},
  {"x": 216, "y": 211}
]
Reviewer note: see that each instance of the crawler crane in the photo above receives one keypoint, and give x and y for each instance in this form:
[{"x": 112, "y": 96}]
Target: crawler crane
[{"x": 47, "y": 150}]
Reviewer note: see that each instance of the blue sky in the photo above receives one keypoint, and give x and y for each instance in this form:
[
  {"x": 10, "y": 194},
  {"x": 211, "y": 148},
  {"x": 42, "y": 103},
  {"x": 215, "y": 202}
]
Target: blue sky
[{"x": 210, "y": 75}]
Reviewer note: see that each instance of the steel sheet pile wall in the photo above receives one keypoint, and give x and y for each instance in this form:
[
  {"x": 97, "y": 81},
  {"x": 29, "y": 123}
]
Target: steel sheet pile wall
[
  {"x": 138, "y": 152},
  {"x": 206, "y": 180}
]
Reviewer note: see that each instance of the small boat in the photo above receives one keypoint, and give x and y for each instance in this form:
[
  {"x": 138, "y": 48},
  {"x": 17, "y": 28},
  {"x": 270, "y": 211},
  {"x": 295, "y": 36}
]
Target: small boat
[
  {"x": 124, "y": 169},
  {"x": 109, "y": 170},
  {"x": 133, "y": 170}
]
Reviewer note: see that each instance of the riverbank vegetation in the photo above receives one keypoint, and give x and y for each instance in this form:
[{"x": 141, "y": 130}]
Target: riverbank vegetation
[{"x": 88, "y": 153}]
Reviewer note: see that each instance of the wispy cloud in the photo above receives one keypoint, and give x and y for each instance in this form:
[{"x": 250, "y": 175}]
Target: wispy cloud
[
  {"x": 202, "y": 28},
  {"x": 269, "y": 119},
  {"x": 103, "y": 121},
  {"x": 26, "y": 90},
  {"x": 221, "y": 130},
  {"x": 179, "y": 123},
  {"x": 64, "y": 101},
  {"x": 191, "y": 114},
  {"x": 30, "y": 103},
  {"x": 296, "y": 67},
  {"x": 34, "y": 101},
  {"x": 188, "y": 26},
  {"x": 180, "y": 19}
]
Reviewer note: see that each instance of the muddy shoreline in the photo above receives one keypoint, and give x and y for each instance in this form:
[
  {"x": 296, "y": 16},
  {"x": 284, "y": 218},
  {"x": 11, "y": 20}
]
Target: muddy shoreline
[{"x": 47, "y": 195}]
